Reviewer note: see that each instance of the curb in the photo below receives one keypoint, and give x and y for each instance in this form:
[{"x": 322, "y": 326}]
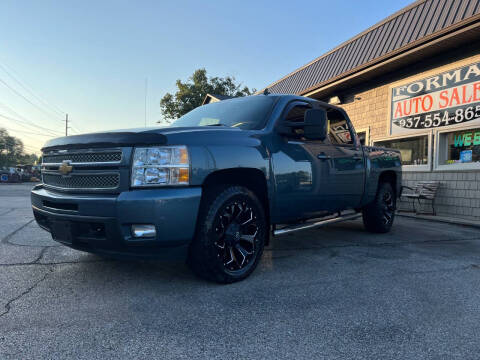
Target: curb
[{"x": 455, "y": 221}]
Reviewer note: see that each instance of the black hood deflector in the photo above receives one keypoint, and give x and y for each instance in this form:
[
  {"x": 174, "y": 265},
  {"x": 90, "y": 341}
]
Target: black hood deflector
[{"x": 110, "y": 139}]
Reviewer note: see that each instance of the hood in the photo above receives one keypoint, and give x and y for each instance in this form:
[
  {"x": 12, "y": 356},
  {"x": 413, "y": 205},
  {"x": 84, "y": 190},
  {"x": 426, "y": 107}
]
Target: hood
[{"x": 127, "y": 137}]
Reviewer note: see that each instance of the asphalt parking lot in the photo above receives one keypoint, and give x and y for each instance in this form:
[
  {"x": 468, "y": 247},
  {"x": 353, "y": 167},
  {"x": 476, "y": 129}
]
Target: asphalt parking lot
[{"x": 337, "y": 292}]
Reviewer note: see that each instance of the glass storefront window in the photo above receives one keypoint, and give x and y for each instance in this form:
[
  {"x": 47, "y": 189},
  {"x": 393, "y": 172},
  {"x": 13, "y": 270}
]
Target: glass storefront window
[
  {"x": 459, "y": 147},
  {"x": 414, "y": 150}
]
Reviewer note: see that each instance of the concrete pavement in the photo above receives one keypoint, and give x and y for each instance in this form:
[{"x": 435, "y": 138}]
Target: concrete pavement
[{"x": 333, "y": 293}]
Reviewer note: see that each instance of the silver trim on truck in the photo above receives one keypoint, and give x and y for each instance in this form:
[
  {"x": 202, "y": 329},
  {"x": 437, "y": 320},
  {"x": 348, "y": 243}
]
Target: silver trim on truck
[{"x": 92, "y": 177}]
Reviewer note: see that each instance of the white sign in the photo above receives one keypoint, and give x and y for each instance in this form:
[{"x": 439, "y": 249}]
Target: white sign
[{"x": 452, "y": 97}]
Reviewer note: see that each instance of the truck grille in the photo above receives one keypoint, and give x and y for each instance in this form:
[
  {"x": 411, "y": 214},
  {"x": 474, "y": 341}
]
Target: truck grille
[
  {"x": 83, "y": 157},
  {"x": 86, "y": 170},
  {"x": 107, "y": 181}
]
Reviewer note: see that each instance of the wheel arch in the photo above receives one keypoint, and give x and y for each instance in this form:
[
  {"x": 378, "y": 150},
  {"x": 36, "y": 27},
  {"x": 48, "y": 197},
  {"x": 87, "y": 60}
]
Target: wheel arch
[
  {"x": 251, "y": 178},
  {"x": 388, "y": 176}
]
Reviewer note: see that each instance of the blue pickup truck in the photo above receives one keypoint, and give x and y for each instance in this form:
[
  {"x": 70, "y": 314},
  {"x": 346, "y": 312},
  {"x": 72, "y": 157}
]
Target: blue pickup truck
[{"x": 215, "y": 185}]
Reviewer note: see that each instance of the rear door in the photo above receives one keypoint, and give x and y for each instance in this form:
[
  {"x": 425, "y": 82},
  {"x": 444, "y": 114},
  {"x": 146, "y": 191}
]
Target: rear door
[{"x": 346, "y": 163}]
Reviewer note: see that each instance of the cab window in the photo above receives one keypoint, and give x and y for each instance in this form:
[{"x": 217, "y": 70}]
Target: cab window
[
  {"x": 339, "y": 132},
  {"x": 297, "y": 114}
]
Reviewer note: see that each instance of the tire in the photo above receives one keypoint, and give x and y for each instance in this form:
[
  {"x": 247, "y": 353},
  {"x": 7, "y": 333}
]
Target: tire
[
  {"x": 230, "y": 237},
  {"x": 378, "y": 216}
]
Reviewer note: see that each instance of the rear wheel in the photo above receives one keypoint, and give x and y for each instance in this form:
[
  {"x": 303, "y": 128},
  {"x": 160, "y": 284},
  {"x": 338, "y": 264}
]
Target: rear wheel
[
  {"x": 378, "y": 216},
  {"x": 230, "y": 236}
]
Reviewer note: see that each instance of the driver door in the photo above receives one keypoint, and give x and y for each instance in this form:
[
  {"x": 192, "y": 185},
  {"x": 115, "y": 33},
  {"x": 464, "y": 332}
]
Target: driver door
[{"x": 299, "y": 173}]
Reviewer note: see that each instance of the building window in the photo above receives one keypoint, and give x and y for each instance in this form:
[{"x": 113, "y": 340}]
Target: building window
[
  {"x": 459, "y": 149},
  {"x": 363, "y": 135},
  {"x": 414, "y": 150}
]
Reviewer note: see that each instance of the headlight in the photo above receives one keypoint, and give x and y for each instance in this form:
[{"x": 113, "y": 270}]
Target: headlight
[{"x": 158, "y": 166}]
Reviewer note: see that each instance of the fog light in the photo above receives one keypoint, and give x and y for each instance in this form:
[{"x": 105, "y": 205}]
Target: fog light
[{"x": 143, "y": 231}]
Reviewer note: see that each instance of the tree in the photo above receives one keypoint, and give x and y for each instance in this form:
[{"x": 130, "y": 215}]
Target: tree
[
  {"x": 190, "y": 94},
  {"x": 12, "y": 151}
]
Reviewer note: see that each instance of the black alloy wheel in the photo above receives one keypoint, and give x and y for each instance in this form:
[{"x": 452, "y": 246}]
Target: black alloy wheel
[
  {"x": 230, "y": 237},
  {"x": 388, "y": 207},
  {"x": 236, "y": 230},
  {"x": 378, "y": 216}
]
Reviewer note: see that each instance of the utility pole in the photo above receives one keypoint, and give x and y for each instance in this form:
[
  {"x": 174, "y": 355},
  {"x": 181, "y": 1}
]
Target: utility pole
[{"x": 66, "y": 124}]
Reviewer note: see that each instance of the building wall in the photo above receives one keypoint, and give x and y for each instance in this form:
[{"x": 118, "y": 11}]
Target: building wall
[
  {"x": 458, "y": 196},
  {"x": 369, "y": 108},
  {"x": 369, "y": 111}
]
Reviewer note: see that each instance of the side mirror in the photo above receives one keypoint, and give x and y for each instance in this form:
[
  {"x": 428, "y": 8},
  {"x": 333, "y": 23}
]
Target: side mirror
[{"x": 315, "y": 124}]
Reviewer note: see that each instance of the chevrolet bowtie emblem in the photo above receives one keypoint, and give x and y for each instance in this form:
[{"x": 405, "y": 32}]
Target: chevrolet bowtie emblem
[{"x": 65, "y": 168}]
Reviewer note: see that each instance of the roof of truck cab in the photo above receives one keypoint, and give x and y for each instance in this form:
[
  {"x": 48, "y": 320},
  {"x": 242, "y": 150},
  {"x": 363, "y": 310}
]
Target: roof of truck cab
[{"x": 304, "y": 98}]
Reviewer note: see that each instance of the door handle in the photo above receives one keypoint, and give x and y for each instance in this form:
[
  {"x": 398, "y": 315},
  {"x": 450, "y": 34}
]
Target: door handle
[
  {"x": 323, "y": 157},
  {"x": 356, "y": 157}
]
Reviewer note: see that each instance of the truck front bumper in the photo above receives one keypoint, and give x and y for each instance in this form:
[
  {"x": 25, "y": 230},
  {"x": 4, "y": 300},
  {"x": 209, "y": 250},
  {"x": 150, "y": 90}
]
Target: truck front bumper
[{"x": 101, "y": 223}]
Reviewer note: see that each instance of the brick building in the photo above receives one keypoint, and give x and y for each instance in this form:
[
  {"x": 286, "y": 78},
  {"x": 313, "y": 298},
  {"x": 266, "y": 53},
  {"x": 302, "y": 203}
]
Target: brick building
[{"x": 412, "y": 82}]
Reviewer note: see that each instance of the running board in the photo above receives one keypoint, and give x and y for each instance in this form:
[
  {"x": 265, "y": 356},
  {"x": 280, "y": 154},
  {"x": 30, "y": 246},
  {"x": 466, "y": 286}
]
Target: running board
[{"x": 305, "y": 226}]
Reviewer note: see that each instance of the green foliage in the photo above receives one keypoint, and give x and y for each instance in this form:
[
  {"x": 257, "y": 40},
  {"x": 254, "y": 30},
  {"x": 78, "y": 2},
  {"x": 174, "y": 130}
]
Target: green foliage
[
  {"x": 12, "y": 151},
  {"x": 190, "y": 94}
]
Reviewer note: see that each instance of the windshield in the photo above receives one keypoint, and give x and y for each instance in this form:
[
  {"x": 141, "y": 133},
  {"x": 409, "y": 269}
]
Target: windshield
[{"x": 246, "y": 113}]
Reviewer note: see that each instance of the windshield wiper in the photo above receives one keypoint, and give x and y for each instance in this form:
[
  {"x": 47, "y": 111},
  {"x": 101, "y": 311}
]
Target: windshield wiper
[{"x": 216, "y": 124}]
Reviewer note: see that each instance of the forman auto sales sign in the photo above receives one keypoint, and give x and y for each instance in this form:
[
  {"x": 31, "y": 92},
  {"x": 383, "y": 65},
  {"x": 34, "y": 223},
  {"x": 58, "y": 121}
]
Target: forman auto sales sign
[{"x": 449, "y": 98}]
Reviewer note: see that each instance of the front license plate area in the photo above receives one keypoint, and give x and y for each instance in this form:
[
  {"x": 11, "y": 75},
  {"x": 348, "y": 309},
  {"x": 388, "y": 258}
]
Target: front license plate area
[{"x": 62, "y": 231}]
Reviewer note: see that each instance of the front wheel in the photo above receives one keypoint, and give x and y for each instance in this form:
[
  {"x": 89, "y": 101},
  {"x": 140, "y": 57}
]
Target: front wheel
[
  {"x": 378, "y": 216},
  {"x": 230, "y": 236}
]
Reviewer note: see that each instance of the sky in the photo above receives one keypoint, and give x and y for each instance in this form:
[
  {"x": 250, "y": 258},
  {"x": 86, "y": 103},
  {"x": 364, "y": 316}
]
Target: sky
[{"x": 91, "y": 59}]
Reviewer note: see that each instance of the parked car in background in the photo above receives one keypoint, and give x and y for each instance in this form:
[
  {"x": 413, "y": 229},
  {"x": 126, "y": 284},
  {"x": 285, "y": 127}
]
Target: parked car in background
[{"x": 10, "y": 175}]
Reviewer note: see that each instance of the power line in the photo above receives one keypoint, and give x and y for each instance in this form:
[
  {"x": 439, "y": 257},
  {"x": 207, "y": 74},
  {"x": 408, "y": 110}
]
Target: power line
[
  {"x": 31, "y": 149},
  {"x": 77, "y": 126},
  {"x": 23, "y": 118},
  {"x": 27, "y": 121},
  {"x": 29, "y": 146},
  {"x": 29, "y": 89},
  {"x": 25, "y": 98},
  {"x": 53, "y": 109},
  {"x": 28, "y": 132},
  {"x": 74, "y": 128},
  {"x": 30, "y": 124}
]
